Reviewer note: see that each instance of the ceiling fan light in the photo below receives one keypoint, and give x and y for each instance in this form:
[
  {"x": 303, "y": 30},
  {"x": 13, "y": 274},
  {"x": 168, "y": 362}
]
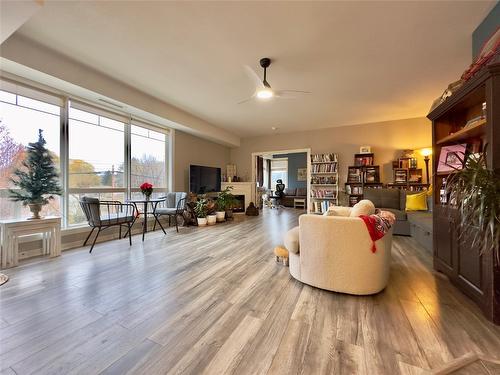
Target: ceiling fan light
[{"x": 265, "y": 94}]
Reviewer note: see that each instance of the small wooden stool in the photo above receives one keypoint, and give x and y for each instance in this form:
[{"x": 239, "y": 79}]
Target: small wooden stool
[{"x": 281, "y": 254}]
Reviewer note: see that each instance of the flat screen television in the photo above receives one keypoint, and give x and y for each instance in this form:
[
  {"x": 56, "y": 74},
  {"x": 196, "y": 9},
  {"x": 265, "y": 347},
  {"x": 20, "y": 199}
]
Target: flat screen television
[{"x": 204, "y": 180}]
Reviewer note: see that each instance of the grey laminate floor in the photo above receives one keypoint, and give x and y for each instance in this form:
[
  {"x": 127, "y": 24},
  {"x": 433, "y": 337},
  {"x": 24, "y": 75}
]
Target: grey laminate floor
[{"x": 213, "y": 300}]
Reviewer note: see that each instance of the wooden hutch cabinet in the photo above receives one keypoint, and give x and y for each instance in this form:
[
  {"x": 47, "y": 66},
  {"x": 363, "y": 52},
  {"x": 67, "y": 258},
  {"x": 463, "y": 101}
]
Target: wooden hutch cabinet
[{"x": 476, "y": 276}]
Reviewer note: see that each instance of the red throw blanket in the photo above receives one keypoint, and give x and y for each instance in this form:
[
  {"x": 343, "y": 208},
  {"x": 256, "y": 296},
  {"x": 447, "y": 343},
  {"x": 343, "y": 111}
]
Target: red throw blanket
[{"x": 378, "y": 225}]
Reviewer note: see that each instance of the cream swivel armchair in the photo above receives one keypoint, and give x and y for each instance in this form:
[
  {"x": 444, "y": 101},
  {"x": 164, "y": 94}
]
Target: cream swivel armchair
[{"x": 334, "y": 253}]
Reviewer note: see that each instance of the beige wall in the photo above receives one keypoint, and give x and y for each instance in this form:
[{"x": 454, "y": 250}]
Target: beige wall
[
  {"x": 385, "y": 138},
  {"x": 188, "y": 150}
]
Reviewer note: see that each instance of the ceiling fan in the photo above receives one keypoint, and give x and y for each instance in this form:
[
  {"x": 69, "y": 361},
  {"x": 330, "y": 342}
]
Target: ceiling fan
[{"x": 263, "y": 90}]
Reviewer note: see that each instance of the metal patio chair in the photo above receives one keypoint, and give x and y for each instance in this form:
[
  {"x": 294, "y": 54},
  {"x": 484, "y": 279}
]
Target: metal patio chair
[
  {"x": 173, "y": 206},
  {"x": 106, "y": 214}
]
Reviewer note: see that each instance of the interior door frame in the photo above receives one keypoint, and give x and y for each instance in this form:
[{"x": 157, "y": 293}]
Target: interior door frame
[{"x": 274, "y": 152}]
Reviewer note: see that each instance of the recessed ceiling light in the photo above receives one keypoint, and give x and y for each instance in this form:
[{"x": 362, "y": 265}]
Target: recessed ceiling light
[{"x": 274, "y": 128}]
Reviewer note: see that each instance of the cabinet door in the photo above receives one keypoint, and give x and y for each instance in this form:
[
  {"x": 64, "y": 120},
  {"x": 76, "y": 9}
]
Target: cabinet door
[
  {"x": 443, "y": 245},
  {"x": 469, "y": 265}
]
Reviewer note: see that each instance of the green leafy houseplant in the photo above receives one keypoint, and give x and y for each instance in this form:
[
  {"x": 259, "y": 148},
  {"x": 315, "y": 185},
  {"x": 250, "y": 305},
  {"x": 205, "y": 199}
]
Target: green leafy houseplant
[
  {"x": 200, "y": 209},
  {"x": 226, "y": 200},
  {"x": 475, "y": 190},
  {"x": 37, "y": 180}
]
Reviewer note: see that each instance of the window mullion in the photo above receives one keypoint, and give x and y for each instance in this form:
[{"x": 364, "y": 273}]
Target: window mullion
[
  {"x": 64, "y": 159},
  {"x": 128, "y": 153}
]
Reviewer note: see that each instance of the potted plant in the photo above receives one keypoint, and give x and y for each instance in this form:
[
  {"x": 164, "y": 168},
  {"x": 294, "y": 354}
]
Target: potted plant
[
  {"x": 37, "y": 180},
  {"x": 220, "y": 213},
  {"x": 146, "y": 189},
  {"x": 475, "y": 190},
  {"x": 227, "y": 201},
  {"x": 211, "y": 215},
  {"x": 221, "y": 204},
  {"x": 200, "y": 209}
]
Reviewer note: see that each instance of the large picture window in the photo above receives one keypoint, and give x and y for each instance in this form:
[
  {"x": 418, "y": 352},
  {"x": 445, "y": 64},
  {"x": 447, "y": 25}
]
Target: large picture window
[
  {"x": 103, "y": 154},
  {"x": 96, "y": 159},
  {"x": 279, "y": 171},
  {"x": 20, "y": 120},
  {"x": 148, "y": 159}
]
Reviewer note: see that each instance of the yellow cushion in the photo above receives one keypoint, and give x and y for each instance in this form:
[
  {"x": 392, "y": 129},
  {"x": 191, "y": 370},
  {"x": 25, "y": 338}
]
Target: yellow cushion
[
  {"x": 280, "y": 251},
  {"x": 416, "y": 202}
]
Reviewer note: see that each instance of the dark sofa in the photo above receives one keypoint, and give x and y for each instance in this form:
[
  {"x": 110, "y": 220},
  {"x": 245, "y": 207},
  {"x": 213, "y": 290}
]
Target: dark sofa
[
  {"x": 291, "y": 194},
  {"x": 418, "y": 224}
]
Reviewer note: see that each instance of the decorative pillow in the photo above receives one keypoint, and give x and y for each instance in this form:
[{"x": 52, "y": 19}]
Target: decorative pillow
[
  {"x": 338, "y": 211},
  {"x": 416, "y": 202},
  {"x": 378, "y": 225},
  {"x": 363, "y": 207}
]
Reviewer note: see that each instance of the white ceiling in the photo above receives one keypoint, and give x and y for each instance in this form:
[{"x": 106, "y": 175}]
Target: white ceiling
[{"x": 362, "y": 61}]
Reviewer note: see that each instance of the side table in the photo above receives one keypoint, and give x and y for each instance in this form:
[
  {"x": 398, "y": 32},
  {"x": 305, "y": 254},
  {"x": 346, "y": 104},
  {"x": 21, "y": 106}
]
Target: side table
[
  {"x": 299, "y": 203},
  {"x": 12, "y": 229}
]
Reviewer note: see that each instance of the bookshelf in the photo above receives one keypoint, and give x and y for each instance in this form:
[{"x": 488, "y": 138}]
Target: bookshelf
[
  {"x": 467, "y": 121},
  {"x": 362, "y": 175},
  {"x": 323, "y": 183},
  {"x": 406, "y": 175}
]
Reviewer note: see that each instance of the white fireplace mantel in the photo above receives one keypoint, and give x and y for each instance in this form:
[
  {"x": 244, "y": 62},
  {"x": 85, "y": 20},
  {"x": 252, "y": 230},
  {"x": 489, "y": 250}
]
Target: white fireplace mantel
[{"x": 242, "y": 188}]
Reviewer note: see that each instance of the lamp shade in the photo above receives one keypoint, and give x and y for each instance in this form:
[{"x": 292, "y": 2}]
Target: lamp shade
[{"x": 426, "y": 152}]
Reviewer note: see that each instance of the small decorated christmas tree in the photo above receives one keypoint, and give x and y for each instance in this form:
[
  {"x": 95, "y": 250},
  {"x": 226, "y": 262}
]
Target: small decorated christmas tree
[{"x": 38, "y": 180}]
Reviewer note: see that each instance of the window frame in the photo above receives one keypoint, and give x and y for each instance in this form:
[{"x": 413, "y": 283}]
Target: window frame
[
  {"x": 22, "y": 91},
  {"x": 167, "y": 142},
  {"x": 32, "y": 92},
  {"x": 127, "y": 189},
  {"x": 285, "y": 169}
]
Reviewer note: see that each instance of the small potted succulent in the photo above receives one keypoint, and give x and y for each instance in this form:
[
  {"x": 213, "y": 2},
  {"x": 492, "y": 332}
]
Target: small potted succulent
[
  {"x": 211, "y": 215},
  {"x": 201, "y": 210},
  {"x": 146, "y": 189}
]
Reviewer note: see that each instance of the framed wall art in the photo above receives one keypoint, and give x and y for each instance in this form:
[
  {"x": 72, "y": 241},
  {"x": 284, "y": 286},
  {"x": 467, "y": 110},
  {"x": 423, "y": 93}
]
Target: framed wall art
[{"x": 451, "y": 158}]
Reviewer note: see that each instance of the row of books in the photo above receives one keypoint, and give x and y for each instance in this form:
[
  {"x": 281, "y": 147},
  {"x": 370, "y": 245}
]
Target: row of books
[
  {"x": 320, "y": 207},
  {"x": 323, "y": 193},
  {"x": 354, "y": 175},
  {"x": 363, "y": 159},
  {"x": 400, "y": 176},
  {"x": 409, "y": 187},
  {"x": 407, "y": 163},
  {"x": 353, "y": 189},
  {"x": 324, "y": 168},
  {"x": 321, "y": 158},
  {"x": 358, "y": 190},
  {"x": 324, "y": 180},
  {"x": 366, "y": 175}
]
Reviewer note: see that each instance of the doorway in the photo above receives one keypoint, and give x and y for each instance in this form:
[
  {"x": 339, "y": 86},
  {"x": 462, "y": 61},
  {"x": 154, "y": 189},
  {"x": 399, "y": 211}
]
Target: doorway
[{"x": 292, "y": 167}]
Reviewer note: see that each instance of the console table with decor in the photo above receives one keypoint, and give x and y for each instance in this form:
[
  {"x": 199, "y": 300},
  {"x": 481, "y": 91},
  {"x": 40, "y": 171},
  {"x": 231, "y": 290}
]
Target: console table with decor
[{"x": 12, "y": 229}]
